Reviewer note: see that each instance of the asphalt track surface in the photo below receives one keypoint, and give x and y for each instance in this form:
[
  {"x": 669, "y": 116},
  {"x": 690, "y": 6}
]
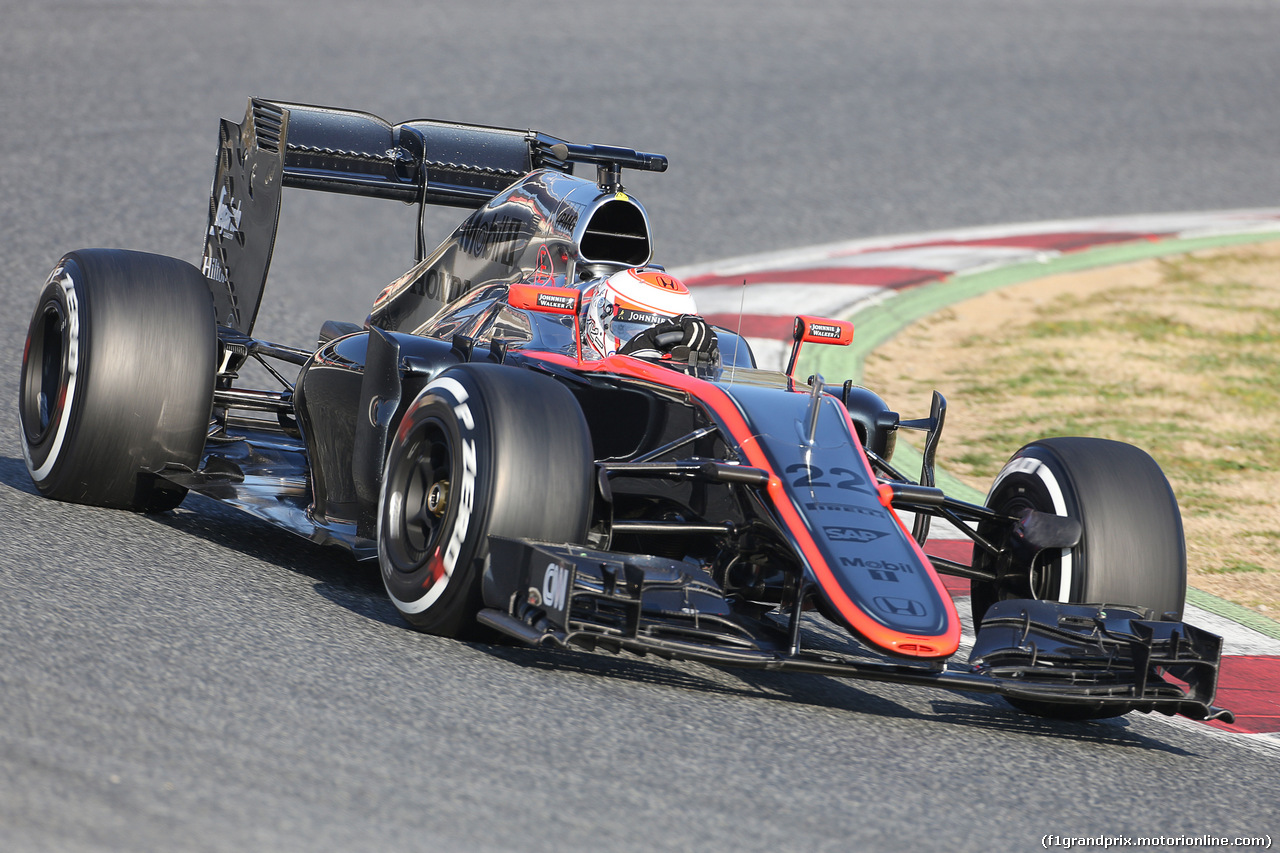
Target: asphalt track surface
[{"x": 198, "y": 681}]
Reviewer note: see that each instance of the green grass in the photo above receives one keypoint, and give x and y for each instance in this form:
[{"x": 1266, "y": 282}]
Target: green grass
[
  {"x": 1224, "y": 368},
  {"x": 1235, "y": 568},
  {"x": 1185, "y": 366}
]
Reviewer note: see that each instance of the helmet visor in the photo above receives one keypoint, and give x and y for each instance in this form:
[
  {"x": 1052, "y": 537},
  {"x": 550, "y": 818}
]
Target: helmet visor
[{"x": 629, "y": 322}]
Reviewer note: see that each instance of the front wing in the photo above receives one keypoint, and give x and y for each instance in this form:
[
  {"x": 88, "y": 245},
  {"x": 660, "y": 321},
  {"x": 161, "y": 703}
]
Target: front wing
[{"x": 1094, "y": 656}]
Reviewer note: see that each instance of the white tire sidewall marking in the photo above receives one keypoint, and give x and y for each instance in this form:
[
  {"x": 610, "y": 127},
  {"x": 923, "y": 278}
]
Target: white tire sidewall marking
[
  {"x": 454, "y": 389},
  {"x": 1034, "y": 467},
  {"x": 64, "y": 280}
]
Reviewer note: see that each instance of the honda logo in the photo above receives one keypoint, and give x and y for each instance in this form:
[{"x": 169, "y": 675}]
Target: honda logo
[{"x": 899, "y": 606}]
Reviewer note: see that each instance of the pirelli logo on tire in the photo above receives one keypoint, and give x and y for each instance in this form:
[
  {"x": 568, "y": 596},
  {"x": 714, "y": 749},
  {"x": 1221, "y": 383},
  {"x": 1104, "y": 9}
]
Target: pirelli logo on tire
[{"x": 467, "y": 482}]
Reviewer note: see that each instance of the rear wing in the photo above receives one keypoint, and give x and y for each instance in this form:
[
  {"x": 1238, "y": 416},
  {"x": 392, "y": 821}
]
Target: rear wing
[{"x": 422, "y": 161}]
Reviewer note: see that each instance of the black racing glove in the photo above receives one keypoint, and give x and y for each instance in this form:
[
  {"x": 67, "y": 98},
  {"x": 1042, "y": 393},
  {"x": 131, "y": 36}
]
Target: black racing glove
[{"x": 687, "y": 338}]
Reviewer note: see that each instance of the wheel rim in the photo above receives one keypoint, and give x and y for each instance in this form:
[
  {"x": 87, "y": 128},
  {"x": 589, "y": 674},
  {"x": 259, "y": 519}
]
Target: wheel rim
[
  {"x": 44, "y": 373},
  {"x": 418, "y": 508},
  {"x": 1044, "y": 572},
  {"x": 1043, "y": 578}
]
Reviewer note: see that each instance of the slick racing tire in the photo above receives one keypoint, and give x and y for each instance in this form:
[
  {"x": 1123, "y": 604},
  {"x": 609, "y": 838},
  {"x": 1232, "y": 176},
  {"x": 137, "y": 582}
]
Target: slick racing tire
[
  {"x": 485, "y": 449},
  {"x": 117, "y": 378},
  {"x": 1131, "y": 552}
]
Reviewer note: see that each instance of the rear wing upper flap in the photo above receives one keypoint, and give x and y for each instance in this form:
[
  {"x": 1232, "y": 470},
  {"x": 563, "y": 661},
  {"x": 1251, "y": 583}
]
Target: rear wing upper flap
[{"x": 423, "y": 161}]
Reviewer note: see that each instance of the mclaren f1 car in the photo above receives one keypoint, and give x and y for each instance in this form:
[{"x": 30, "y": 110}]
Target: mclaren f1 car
[{"x": 537, "y": 438}]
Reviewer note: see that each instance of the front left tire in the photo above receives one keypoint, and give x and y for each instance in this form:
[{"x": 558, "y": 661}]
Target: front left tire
[{"x": 484, "y": 449}]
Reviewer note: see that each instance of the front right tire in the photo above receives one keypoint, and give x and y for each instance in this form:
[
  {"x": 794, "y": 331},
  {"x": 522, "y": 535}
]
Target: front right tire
[{"x": 1132, "y": 550}]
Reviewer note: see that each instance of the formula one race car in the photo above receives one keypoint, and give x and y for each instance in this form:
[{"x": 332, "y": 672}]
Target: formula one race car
[{"x": 536, "y": 436}]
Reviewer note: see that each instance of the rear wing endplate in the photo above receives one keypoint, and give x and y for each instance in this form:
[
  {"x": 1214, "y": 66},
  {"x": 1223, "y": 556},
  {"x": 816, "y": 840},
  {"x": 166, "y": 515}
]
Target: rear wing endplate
[{"x": 423, "y": 161}]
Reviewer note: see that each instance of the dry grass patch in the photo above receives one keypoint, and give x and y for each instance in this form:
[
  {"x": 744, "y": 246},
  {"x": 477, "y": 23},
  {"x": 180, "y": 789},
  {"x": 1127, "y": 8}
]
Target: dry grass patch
[{"x": 1180, "y": 357}]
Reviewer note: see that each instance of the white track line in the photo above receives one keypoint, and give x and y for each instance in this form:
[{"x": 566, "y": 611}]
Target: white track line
[{"x": 937, "y": 251}]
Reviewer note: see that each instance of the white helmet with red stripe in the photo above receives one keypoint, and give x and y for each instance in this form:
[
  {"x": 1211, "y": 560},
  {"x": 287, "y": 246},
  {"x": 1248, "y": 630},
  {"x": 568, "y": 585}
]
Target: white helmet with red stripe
[{"x": 626, "y": 303}]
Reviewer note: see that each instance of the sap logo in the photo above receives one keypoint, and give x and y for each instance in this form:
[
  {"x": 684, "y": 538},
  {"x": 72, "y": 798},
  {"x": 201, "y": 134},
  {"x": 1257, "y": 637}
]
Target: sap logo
[
  {"x": 852, "y": 534},
  {"x": 856, "y": 510},
  {"x": 555, "y": 586},
  {"x": 899, "y": 606},
  {"x": 882, "y": 565}
]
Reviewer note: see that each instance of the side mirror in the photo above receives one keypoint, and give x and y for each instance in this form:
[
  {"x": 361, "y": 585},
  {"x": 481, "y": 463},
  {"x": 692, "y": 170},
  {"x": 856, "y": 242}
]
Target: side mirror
[
  {"x": 544, "y": 299},
  {"x": 817, "y": 330},
  {"x": 549, "y": 300}
]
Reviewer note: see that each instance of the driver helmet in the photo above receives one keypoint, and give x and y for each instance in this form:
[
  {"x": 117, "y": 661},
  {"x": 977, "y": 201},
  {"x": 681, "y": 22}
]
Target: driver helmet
[{"x": 616, "y": 309}]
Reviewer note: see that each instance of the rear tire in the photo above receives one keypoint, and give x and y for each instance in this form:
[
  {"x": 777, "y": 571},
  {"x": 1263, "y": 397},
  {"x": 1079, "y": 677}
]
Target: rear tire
[
  {"x": 484, "y": 450},
  {"x": 1132, "y": 551},
  {"x": 117, "y": 378}
]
